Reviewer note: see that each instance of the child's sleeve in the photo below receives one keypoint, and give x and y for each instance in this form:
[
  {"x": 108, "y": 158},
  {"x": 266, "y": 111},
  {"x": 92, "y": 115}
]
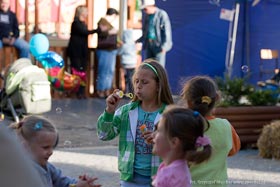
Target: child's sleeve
[
  {"x": 235, "y": 142},
  {"x": 107, "y": 126},
  {"x": 58, "y": 179}
]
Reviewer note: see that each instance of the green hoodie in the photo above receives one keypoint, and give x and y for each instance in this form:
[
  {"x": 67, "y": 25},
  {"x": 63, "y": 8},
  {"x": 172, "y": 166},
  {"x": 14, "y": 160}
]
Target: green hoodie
[{"x": 123, "y": 122}]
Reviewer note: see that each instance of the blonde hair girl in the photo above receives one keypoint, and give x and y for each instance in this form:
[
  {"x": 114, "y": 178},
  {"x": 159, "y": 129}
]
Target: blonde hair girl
[
  {"x": 151, "y": 95},
  {"x": 40, "y": 137}
]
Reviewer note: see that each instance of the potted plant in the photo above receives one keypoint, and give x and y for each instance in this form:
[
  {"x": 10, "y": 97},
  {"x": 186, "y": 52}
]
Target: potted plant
[{"x": 247, "y": 108}]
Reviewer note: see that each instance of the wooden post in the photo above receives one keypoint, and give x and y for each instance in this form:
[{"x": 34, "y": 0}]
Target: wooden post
[
  {"x": 108, "y": 3},
  {"x": 58, "y": 30},
  {"x": 36, "y": 27},
  {"x": 130, "y": 16},
  {"x": 27, "y": 36}
]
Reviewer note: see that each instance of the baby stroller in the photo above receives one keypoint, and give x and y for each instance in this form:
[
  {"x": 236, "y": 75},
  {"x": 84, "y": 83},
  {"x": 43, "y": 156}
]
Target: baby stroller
[{"x": 26, "y": 89}]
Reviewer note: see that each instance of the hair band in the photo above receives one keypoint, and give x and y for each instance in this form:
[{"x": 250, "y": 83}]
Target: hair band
[
  {"x": 195, "y": 113},
  {"x": 150, "y": 66},
  {"x": 206, "y": 99},
  {"x": 202, "y": 141},
  {"x": 38, "y": 126}
]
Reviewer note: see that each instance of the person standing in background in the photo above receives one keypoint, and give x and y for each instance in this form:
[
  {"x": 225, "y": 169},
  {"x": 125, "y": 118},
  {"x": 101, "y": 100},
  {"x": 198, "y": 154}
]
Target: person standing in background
[
  {"x": 106, "y": 53},
  {"x": 157, "y": 35},
  {"x": 128, "y": 54},
  {"x": 78, "y": 47},
  {"x": 9, "y": 31}
]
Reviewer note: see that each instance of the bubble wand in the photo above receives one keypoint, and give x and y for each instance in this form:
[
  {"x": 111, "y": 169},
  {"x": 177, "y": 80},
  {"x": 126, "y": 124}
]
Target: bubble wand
[{"x": 121, "y": 94}]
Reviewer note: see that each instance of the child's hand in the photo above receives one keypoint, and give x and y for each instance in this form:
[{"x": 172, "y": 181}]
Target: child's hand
[
  {"x": 86, "y": 181},
  {"x": 112, "y": 102},
  {"x": 148, "y": 136},
  {"x": 82, "y": 183}
]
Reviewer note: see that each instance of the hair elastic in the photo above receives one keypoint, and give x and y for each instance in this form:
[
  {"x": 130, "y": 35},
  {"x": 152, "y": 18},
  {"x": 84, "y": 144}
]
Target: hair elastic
[
  {"x": 150, "y": 66},
  {"x": 206, "y": 99},
  {"x": 195, "y": 113},
  {"x": 202, "y": 141},
  {"x": 38, "y": 126}
]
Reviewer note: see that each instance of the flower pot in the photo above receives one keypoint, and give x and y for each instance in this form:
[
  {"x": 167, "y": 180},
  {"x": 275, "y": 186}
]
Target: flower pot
[{"x": 248, "y": 121}]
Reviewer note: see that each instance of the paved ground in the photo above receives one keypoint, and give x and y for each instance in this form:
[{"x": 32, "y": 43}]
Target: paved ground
[
  {"x": 79, "y": 150},
  {"x": 246, "y": 169}
]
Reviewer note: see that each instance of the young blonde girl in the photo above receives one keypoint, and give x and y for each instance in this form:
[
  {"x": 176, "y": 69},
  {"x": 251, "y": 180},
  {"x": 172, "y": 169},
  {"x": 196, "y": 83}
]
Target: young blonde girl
[
  {"x": 179, "y": 140},
  {"x": 151, "y": 95},
  {"x": 39, "y": 136},
  {"x": 201, "y": 94}
]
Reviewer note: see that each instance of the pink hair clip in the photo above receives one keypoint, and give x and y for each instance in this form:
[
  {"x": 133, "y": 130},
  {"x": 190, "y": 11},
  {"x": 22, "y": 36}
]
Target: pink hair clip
[{"x": 202, "y": 141}]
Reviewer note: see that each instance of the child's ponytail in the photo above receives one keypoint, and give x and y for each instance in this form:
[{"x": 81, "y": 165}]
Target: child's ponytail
[
  {"x": 188, "y": 126},
  {"x": 199, "y": 155}
]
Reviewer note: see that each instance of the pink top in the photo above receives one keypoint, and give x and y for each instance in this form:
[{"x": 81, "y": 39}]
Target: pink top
[{"x": 176, "y": 174}]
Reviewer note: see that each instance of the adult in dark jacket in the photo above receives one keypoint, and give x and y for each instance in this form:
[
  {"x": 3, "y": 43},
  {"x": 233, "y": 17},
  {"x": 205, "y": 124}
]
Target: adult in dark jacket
[
  {"x": 78, "y": 46},
  {"x": 9, "y": 31}
]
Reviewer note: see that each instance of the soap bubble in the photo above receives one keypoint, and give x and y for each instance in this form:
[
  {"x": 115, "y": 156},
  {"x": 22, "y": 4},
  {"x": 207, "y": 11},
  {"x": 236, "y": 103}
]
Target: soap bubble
[
  {"x": 245, "y": 69},
  {"x": 214, "y": 2},
  {"x": 58, "y": 110},
  {"x": 67, "y": 144}
]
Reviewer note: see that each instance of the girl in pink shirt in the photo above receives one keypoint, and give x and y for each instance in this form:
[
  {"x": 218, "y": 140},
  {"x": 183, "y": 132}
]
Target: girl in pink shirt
[{"x": 179, "y": 141}]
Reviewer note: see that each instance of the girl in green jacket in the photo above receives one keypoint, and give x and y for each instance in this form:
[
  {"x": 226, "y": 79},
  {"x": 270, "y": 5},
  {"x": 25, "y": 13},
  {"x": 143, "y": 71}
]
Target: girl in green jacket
[{"x": 151, "y": 95}]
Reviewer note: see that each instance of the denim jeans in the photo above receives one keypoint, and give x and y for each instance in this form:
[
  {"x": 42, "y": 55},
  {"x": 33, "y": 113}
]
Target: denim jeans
[
  {"x": 22, "y": 46},
  {"x": 138, "y": 181},
  {"x": 106, "y": 69},
  {"x": 154, "y": 52}
]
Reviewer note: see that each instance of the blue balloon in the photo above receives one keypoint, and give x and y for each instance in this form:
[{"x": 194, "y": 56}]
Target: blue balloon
[
  {"x": 39, "y": 44},
  {"x": 50, "y": 59}
]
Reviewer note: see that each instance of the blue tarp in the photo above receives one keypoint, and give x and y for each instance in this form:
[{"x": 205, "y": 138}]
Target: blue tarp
[{"x": 200, "y": 38}]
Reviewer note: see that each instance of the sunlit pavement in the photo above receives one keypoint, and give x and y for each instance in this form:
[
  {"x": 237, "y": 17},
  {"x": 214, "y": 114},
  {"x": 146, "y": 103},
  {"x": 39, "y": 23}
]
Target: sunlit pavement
[
  {"x": 100, "y": 158},
  {"x": 100, "y": 162},
  {"x": 244, "y": 169}
]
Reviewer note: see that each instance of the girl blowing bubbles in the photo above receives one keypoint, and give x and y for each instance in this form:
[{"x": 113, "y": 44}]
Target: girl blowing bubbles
[
  {"x": 151, "y": 95},
  {"x": 40, "y": 137},
  {"x": 179, "y": 141}
]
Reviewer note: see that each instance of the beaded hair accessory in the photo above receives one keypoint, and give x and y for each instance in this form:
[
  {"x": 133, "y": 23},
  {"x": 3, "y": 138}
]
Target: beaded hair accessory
[
  {"x": 38, "y": 126},
  {"x": 202, "y": 141},
  {"x": 195, "y": 113},
  {"x": 151, "y": 67},
  {"x": 206, "y": 99}
]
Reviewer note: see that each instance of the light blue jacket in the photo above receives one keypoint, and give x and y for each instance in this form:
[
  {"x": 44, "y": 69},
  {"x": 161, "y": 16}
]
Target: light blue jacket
[
  {"x": 52, "y": 177},
  {"x": 163, "y": 30},
  {"x": 128, "y": 50}
]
